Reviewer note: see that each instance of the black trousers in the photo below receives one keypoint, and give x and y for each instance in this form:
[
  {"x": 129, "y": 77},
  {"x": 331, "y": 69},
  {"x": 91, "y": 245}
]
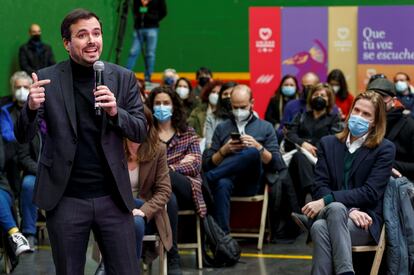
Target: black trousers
[
  {"x": 69, "y": 225},
  {"x": 181, "y": 199},
  {"x": 302, "y": 173}
]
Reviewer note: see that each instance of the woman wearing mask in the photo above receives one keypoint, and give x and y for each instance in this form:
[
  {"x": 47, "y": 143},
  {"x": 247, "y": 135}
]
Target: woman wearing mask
[
  {"x": 351, "y": 175},
  {"x": 306, "y": 131},
  {"x": 185, "y": 92},
  {"x": 209, "y": 97},
  {"x": 222, "y": 112},
  {"x": 151, "y": 188},
  {"x": 343, "y": 98},
  {"x": 405, "y": 91},
  {"x": 286, "y": 91},
  {"x": 183, "y": 159}
]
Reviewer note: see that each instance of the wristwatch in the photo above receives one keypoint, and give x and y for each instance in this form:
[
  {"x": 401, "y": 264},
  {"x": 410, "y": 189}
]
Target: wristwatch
[{"x": 261, "y": 150}]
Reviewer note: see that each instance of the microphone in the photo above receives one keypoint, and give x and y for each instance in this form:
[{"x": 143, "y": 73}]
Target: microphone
[{"x": 98, "y": 67}]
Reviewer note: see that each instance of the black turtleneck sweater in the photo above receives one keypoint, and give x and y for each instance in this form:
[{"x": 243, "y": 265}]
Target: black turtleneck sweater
[{"x": 91, "y": 176}]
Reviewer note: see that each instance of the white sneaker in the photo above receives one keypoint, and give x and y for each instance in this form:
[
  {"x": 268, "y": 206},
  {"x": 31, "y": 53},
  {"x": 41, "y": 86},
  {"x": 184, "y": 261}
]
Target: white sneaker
[{"x": 19, "y": 243}]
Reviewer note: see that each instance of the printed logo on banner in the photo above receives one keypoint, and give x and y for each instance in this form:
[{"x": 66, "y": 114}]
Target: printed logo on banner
[
  {"x": 343, "y": 42},
  {"x": 265, "y": 78},
  {"x": 265, "y": 45}
]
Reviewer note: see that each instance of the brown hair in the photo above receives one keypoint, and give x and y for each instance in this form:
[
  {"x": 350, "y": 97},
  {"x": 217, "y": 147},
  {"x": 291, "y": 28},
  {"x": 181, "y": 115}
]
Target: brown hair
[
  {"x": 148, "y": 149},
  {"x": 72, "y": 18},
  {"x": 377, "y": 133},
  {"x": 331, "y": 96},
  {"x": 206, "y": 91}
]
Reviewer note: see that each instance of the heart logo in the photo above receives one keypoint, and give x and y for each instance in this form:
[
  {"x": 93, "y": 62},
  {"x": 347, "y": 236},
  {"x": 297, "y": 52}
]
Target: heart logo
[
  {"x": 343, "y": 33},
  {"x": 265, "y": 33}
]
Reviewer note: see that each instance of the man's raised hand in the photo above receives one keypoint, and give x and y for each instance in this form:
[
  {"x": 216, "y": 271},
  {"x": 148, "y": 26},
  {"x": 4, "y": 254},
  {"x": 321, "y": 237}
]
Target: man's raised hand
[{"x": 37, "y": 92}]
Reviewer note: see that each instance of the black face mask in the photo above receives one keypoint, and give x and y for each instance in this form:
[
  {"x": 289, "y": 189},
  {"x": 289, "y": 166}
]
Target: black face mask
[
  {"x": 226, "y": 103},
  {"x": 202, "y": 81},
  {"x": 36, "y": 37},
  {"x": 318, "y": 103}
]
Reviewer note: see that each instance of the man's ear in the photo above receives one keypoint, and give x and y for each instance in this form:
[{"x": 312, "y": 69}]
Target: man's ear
[
  {"x": 252, "y": 102},
  {"x": 66, "y": 44}
]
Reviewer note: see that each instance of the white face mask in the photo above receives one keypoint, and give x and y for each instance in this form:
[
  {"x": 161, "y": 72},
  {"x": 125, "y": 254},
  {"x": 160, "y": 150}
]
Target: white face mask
[
  {"x": 183, "y": 92},
  {"x": 241, "y": 114},
  {"x": 21, "y": 94},
  {"x": 213, "y": 98},
  {"x": 336, "y": 88}
]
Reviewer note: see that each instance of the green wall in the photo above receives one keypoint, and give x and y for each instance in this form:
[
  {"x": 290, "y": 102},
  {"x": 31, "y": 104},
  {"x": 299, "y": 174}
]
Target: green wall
[{"x": 211, "y": 33}]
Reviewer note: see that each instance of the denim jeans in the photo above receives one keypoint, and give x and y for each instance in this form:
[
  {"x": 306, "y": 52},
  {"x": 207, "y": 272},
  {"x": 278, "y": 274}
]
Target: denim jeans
[
  {"x": 6, "y": 217},
  {"x": 149, "y": 37},
  {"x": 27, "y": 207},
  {"x": 139, "y": 228},
  {"x": 238, "y": 174}
]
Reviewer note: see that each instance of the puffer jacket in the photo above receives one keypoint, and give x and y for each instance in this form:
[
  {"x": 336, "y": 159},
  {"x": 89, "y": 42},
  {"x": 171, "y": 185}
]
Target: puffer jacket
[{"x": 399, "y": 226}]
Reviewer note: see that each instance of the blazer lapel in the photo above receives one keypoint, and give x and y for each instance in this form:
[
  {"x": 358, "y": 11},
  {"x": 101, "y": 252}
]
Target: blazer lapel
[
  {"x": 68, "y": 94},
  {"x": 109, "y": 81}
]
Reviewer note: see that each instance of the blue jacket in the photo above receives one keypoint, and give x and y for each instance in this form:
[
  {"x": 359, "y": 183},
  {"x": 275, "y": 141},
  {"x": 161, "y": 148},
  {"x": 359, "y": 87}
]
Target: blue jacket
[
  {"x": 399, "y": 226},
  {"x": 261, "y": 130},
  {"x": 368, "y": 177}
]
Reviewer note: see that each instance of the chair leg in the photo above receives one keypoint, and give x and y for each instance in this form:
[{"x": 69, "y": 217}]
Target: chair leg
[
  {"x": 263, "y": 220},
  {"x": 378, "y": 258},
  {"x": 163, "y": 260},
  {"x": 199, "y": 244}
]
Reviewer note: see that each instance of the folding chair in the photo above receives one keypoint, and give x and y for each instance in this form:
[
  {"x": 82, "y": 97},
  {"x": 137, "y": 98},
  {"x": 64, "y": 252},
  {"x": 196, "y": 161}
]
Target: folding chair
[{"x": 197, "y": 245}]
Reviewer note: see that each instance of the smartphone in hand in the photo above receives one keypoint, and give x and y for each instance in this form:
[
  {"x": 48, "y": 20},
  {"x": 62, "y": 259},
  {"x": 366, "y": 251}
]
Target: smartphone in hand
[{"x": 235, "y": 136}]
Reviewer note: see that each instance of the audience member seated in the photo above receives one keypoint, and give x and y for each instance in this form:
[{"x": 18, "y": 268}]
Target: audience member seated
[
  {"x": 405, "y": 92},
  {"x": 169, "y": 77},
  {"x": 343, "y": 98},
  {"x": 185, "y": 92},
  {"x": 150, "y": 183},
  {"x": 222, "y": 112},
  {"x": 209, "y": 98},
  {"x": 35, "y": 55},
  {"x": 295, "y": 106},
  {"x": 28, "y": 155},
  {"x": 20, "y": 83},
  {"x": 183, "y": 159},
  {"x": 243, "y": 151},
  {"x": 351, "y": 175},
  {"x": 400, "y": 128},
  {"x": 203, "y": 76},
  {"x": 287, "y": 90},
  {"x": 17, "y": 241},
  {"x": 305, "y": 131}
]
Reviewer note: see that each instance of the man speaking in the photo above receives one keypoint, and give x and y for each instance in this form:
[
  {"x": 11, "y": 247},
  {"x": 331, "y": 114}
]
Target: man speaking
[{"x": 82, "y": 178}]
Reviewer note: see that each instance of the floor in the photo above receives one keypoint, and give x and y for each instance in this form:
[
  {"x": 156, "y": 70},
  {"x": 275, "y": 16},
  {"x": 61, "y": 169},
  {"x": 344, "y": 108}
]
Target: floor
[{"x": 285, "y": 259}]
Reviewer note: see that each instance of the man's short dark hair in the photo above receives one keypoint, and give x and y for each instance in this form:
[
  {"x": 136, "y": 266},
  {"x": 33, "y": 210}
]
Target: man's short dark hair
[
  {"x": 72, "y": 18},
  {"x": 203, "y": 70}
]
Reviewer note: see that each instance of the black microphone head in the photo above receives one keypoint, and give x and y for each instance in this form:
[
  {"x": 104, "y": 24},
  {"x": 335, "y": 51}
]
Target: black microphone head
[{"x": 98, "y": 66}]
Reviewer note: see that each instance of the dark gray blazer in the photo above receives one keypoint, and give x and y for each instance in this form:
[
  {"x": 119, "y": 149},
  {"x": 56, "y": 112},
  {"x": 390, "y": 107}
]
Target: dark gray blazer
[{"x": 59, "y": 114}]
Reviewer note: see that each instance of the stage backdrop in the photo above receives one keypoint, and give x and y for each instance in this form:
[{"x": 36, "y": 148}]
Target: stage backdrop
[{"x": 360, "y": 41}]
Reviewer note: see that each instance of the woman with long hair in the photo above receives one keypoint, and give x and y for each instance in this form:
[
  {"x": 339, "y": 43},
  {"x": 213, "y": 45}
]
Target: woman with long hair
[
  {"x": 351, "y": 175},
  {"x": 343, "y": 98},
  {"x": 183, "y": 159}
]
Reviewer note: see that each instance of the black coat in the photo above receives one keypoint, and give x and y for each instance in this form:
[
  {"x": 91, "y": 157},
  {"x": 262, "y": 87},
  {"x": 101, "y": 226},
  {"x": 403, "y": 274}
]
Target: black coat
[
  {"x": 156, "y": 11},
  {"x": 28, "y": 154},
  {"x": 400, "y": 130},
  {"x": 61, "y": 137},
  {"x": 368, "y": 177},
  {"x": 30, "y": 61}
]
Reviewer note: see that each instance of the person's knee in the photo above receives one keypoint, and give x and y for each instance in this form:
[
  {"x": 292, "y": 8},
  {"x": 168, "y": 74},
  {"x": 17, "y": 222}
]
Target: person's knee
[
  {"x": 336, "y": 209},
  {"x": 139, "y": 224},
  {"x": 318, "y": 228}
]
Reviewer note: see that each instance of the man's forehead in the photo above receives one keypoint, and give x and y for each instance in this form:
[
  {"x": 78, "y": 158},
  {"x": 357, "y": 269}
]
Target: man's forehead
[{"x": 86, "y": 24}]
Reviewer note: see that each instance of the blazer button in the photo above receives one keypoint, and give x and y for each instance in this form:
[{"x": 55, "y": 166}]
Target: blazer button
[
  {"x": 74, "y": 140},
  {"x": 69, "y": 162}
]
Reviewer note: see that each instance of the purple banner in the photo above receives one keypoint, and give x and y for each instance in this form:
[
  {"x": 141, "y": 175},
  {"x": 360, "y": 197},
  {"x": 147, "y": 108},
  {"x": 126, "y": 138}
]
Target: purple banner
[
  {"x": 304, "y": 41},
  {"x": 385, "y": 35}
]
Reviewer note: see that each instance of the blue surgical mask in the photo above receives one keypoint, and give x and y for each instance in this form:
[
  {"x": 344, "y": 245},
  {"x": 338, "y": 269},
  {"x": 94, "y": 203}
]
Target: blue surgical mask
[
  {"x": 358, "y": 125},
  {"x": 401, "y": 86},
  {"x": 163, "y": 113},
  {"x": 288, "y": 90}
]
